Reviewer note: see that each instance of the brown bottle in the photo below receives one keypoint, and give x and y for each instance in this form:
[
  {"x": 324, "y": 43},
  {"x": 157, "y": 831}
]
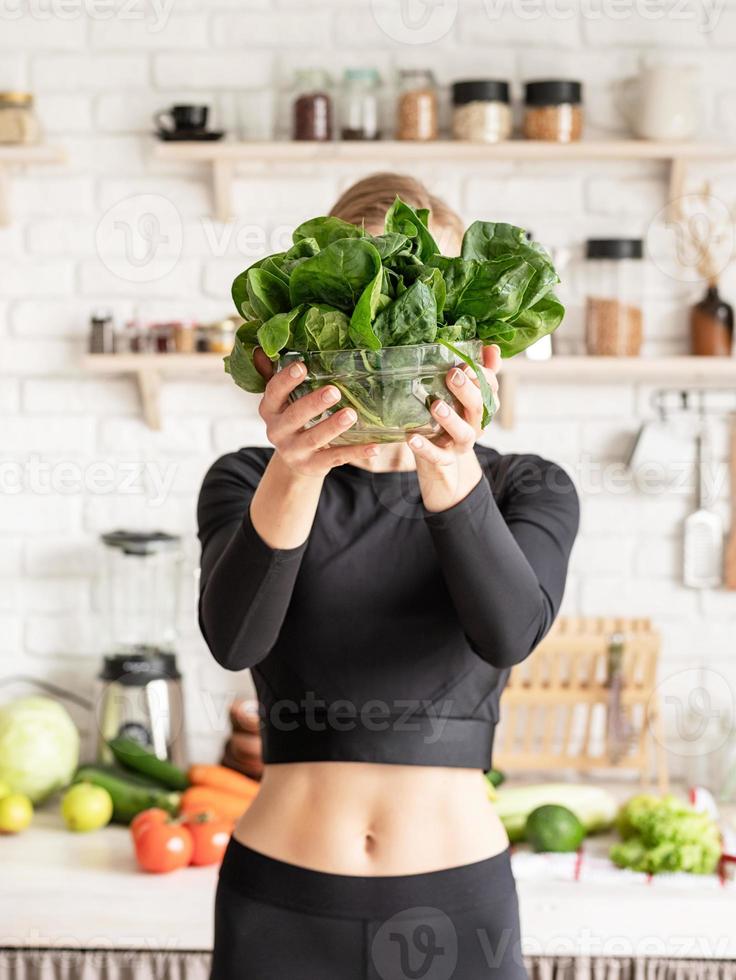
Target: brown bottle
[{"x": 711, "y": 325}]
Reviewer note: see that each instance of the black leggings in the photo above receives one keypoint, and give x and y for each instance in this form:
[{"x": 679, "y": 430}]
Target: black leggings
[{"x": 277, "y": 921}]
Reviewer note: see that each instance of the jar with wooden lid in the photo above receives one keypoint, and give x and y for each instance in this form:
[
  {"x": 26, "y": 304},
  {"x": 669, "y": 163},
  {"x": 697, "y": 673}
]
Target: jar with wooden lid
[
  {"x": 18, "y": 122},
  {"x": 417, "y": 112},
  {"x": 554, "y": 110},
  {"x": 481, "y": 111},
  {"x": 613, "y": 310},
  {"x": 312, "y": 105}
]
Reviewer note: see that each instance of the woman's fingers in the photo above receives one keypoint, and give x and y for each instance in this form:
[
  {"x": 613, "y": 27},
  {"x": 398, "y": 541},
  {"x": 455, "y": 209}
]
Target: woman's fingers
[
  {"x": 492, "y": 358},
  {"x": 280, "y": 387},
  {"x": 303, "y": 410},
  {"x": 263, "y": 364},
  {"x": 468, "y": 394},
  {"x": 428, "y": 451},
  {"x": 340, "y": 455},
  {"x": 463, "y": 433},
  {"x": 323, "y": 433}
]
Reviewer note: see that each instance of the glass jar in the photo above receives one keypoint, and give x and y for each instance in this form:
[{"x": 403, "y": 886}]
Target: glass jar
[
  {"x": 613, "y": 313},
  {"x": 417, "y": 106},
  {"x": 221, "y": 336},
  {"x": 312, "y": 106},
  {"x": 184, "y": 337},
  {"x": 201, "y": 339},
  {"x": 18, "y": 122},
  {"x": 481, "y": 111},
  {"x": 554, "y": 111},
  {"x": 359, "y": 104}
]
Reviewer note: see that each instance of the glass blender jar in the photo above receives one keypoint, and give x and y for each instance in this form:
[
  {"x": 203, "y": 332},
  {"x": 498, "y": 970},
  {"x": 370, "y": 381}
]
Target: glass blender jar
[{"x": 139, "y": 694}]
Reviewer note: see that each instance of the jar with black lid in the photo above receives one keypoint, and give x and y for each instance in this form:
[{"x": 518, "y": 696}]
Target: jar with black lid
[
  {"x": 554, "y": 110},
  {"x": 312, "y": 108},
  {"x": 614, "y": 287},
  {"x": 481, "y": 110}
]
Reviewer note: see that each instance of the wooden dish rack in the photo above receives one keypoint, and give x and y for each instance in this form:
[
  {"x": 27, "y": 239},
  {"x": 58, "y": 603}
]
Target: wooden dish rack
[{"x": 586, "y": 700}]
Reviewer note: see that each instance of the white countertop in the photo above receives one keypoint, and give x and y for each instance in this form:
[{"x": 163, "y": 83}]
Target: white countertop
[{"x": 63, "y": 890}]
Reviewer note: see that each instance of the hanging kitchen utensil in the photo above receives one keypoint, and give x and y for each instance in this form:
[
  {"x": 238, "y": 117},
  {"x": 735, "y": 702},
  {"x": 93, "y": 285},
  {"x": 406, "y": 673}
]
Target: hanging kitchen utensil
[
  {"x": 729, "y": 565},
  {"x": 703, "y": 531}
]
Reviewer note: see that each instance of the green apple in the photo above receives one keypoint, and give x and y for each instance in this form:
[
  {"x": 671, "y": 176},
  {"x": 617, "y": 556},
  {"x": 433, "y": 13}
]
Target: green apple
[
  {"x": 16, "y": 813},
  {"x": 86, "y": 807}
]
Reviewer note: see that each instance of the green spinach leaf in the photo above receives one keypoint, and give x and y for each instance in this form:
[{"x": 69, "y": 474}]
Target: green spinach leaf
[{"x": 337, "y": 275}]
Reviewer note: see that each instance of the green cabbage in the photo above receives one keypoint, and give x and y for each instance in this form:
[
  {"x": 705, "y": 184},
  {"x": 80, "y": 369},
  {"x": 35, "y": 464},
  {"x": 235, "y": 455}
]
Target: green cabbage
[
  {"x": 39, "y": 747},
  {"x": 665, "y": 835}
]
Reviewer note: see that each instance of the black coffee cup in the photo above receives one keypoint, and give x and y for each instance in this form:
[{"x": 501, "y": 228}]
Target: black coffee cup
[{"x": 182, "y": 119}]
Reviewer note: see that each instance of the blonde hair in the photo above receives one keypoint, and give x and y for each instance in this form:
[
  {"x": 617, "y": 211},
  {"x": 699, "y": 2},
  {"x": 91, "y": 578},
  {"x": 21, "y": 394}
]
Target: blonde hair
[{"x": 369, "y": 199}]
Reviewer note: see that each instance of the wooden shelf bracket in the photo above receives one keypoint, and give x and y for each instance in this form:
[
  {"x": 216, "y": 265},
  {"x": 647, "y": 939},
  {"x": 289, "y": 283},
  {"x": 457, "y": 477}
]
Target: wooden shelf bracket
[{"x": 13, "y": 156}]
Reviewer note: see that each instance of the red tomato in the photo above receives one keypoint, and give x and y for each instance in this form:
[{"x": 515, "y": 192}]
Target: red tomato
[
  {"x": 163, "y": 847},
  {"x": 147, "y": 818},
  {"x": 210, "y": 836}
]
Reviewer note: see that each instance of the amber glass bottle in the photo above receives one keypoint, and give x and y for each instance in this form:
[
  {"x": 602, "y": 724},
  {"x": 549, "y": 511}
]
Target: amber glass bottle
[{"x": 711, "y": 325}]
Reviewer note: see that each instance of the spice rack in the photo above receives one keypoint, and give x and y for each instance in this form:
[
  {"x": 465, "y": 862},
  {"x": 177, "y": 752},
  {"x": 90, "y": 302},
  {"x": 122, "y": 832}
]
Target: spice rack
[
  {"x": 22, "y": 155},
  {"x": 223, "y": 158},
  {"x": 150, "y": 370}
]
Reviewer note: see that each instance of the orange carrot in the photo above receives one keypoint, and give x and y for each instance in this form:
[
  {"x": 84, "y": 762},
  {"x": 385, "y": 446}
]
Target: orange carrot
[
  {"x": 205, "y": 799},
  {"x": 222, "y": 778}
]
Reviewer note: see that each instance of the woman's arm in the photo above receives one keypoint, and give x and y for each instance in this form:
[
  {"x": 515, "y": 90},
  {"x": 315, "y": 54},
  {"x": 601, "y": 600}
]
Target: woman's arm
[
  {"x": 254, "y": 522},
  {"x": 505, "y": 567}
]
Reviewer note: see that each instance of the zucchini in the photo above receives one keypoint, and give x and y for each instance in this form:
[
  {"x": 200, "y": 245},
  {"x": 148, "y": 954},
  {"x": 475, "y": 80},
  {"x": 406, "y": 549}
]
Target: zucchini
[
  {"x": 132, "y": 755},
  {"x": 130, "y": 794}
]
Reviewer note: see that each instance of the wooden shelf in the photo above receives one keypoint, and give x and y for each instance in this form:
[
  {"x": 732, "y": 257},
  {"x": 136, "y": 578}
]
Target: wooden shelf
[
  {"x": 224, "y": 157},
  {"x": 149, "y": 369},
  {"x": 22, "y": 155},
  {"x": 689, "y": 372}
]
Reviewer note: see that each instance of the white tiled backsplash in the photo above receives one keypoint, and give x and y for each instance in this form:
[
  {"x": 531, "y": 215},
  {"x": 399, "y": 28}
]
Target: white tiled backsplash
[{"x": 99, "y": 73}]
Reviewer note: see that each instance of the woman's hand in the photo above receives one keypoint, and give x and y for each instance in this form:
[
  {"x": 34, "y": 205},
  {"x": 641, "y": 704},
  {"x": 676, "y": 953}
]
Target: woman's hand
[
  {"x": 305, "y": 452},
  {"x": 447, "y": 467}
]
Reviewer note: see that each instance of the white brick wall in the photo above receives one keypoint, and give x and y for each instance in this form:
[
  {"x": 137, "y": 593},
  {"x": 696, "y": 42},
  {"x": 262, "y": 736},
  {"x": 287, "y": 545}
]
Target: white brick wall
[{"x": 99, "y": 80}]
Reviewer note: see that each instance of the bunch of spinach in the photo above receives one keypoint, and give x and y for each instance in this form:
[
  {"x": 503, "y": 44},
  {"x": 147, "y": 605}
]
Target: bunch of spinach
[{"x": 340, "y": 289}]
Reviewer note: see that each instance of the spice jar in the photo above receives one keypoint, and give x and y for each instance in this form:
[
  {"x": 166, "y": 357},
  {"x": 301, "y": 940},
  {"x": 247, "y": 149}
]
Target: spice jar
[
  {"x": 18, "y": 122},
  {"x": 221, "y": 336},
  {"x": 613, "y": 314},
  {"x": 481, "y": 111},
  {"x": 184, "y": 337},
  {"x": 554, "y": 111},
  {"x": 201, "y": 339},
  {"x": 417, "y": 107},
  {"x": 312, "y": 106},
  {"x": 359, "y": 104},
  {"x": 711, "y": 325}
]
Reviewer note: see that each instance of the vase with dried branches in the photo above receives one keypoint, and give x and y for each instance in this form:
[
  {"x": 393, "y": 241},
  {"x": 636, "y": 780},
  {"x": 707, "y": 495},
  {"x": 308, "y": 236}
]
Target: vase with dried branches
[{"x": 706, "y": 234}]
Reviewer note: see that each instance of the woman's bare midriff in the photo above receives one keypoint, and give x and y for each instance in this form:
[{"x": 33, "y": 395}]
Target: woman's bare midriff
[{"x": 355, "y": 818}]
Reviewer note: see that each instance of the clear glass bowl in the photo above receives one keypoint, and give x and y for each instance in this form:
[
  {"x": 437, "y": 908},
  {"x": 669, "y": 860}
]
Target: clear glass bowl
[{"x": 391, "y": 389}]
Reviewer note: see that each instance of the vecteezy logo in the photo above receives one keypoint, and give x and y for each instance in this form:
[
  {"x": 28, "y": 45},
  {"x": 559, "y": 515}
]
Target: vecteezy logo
[
  {"x": 415, "y": 21},
  {"x": 692, "y": 238},
  {"x": 416, "y": 944},
  {"x": 696, "y": 720},
  {"x": 140, "y": 238}
]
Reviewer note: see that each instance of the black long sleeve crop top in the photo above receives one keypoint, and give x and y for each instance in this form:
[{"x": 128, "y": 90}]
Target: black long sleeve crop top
[{"x": 388, "y": 635}]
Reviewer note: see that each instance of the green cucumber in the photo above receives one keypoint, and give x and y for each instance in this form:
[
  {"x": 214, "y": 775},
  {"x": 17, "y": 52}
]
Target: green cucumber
[
  {"x": 130, "y": 794},
  {"x": 131, "y": 755}
]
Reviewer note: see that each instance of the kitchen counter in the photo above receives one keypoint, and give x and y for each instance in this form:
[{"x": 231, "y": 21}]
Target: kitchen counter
[{"x": 62, "y": 891}]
